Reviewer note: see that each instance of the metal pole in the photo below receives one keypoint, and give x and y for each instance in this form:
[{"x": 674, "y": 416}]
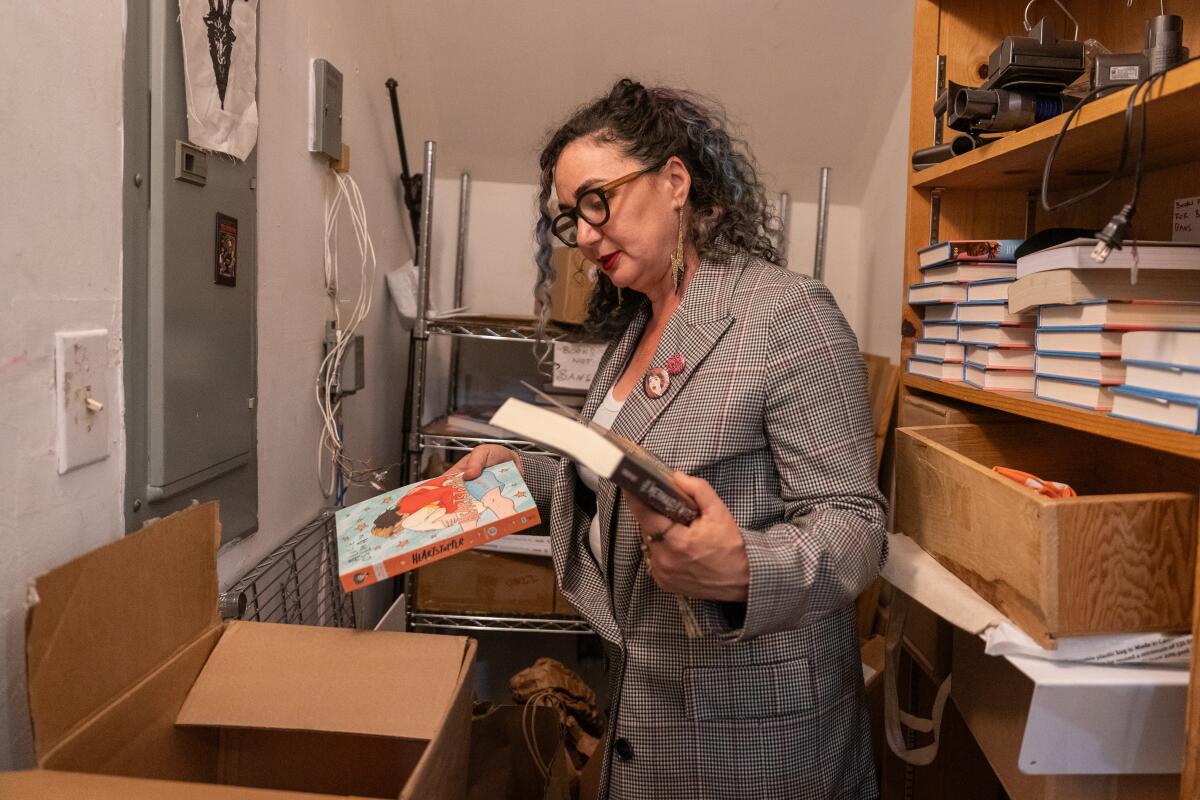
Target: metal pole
[
  {"x": 785, "y": 214},
  {"x": 420, "y": 335},
  {"x": 822, "y": 225},
  {"x": 460, "y": 259}
]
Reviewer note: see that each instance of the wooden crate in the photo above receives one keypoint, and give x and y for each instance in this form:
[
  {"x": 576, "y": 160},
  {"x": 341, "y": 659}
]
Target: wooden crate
[{"x": 1119, "y": 557}]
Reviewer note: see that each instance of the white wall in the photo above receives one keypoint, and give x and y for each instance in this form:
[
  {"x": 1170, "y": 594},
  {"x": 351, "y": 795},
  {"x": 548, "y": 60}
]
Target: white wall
[
  {"x": 881, "y": 268},
  {"x": 60, "y": 221}
]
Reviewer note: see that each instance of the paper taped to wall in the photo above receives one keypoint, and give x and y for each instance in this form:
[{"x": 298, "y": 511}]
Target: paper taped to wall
[{"x": 220, "y": 43}]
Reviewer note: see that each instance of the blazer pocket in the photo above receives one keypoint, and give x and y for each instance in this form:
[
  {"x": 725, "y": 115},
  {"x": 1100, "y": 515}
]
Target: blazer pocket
[{"x": 758, "y": 691}]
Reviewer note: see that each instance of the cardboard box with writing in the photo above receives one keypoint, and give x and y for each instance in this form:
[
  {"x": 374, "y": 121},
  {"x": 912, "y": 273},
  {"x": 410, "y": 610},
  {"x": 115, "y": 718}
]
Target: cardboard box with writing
[
  {"x": 132, "y": 674},
  {"x": 479, "y": 581}
]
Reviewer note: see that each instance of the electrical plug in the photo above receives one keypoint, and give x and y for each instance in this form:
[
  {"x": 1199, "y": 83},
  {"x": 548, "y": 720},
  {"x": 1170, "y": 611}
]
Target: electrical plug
[{"x": 1113, "y": 234}]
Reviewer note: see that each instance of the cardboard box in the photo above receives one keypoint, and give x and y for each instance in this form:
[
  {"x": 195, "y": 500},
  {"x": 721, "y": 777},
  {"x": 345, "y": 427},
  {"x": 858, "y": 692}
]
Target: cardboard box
[
  {"x": 1046, "y": 563},
  {"x": 562, "y": 606},
  {"x": 994, "y": 698},
  {"x": 131, "y": 673},
  {"x": 478, "y": 582},
  {"x": 574, "y": 282}
]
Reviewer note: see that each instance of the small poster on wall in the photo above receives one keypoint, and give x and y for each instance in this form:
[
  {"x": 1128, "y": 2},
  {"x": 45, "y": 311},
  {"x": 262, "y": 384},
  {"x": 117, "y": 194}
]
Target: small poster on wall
[
  {"x": 219, "y": 68},
  {"x": 225, "y": 267}
]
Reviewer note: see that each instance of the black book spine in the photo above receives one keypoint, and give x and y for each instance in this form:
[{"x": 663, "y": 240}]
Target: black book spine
[{"x": 655, "y": 491}]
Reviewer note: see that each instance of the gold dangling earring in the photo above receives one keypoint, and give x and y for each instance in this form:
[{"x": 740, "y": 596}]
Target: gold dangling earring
[
  {"x": 677, "y": 266},
  {"x": 620, "y": 297}
]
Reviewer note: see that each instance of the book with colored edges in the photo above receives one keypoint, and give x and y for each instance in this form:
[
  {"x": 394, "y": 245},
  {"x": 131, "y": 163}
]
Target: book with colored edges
[
  {"x": 1167, "y": 380},
  {"x": 1092, "y": 396},
  {"x": 992, "y": 311},
  {"x": 610, "y": 456},
  {"x": 993, "y": 289},
  {"x": 938, "y": 350},
  {"x": 931, "y": 293},
  {"x": 966, "y": 271},
  {"x": 1077, "y": 254},
  {"x": 968, "y": 250},
  {"x": 993, "y": 335},
  {"x": 949, "y": 371},
  {"x": 1178, "y": 412},
  {"x": 1093, "y": 369},
  {"x": 938, "y": 312},
  {"x": 1179, "y": 349},
  {"x": 423, "y": 522},
  {"x": 1068, "y": 342},
  {"x": 992, "y": 357},
  {"x": 1137, "y": 315},
  {"x": 1067, "y": 286},
  {"x": 998, "y": 380},
  {"x": 939, "y": 331}
]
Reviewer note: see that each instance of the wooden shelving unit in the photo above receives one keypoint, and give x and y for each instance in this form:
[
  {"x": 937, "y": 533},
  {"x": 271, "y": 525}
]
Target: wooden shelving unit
[
  {"x": 988, "y": 193},
  {"x": 1026, "y": 405}
]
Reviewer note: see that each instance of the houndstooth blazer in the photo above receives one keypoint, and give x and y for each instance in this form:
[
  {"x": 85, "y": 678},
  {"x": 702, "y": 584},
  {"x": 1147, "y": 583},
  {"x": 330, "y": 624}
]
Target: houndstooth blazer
[{"x": 771, "y": 409}]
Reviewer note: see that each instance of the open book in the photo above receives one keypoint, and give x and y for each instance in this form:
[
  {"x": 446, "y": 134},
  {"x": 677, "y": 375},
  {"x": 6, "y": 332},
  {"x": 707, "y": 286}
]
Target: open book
[{"x": 610, "y": 456}]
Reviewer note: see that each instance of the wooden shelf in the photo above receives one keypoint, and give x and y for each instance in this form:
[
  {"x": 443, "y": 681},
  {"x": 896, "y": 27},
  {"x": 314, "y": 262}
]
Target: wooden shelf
[
  {"x": 1091, "y": 148},
  {"x": 1026, "y": 405}
]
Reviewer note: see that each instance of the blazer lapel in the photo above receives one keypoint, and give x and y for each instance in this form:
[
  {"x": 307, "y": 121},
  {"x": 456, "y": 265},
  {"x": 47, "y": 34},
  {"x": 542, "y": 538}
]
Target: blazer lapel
[{"x": 693, "y": 330}]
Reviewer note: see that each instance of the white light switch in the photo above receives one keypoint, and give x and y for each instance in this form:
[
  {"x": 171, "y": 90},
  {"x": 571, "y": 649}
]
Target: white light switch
[{"x": 81, "y": 394}]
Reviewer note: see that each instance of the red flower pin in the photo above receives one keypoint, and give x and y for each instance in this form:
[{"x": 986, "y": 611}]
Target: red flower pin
[{"x": 675, "y": 365}]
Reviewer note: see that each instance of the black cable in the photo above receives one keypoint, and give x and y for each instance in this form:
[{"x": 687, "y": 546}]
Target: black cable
[
  {"x": 1114, "y": 233},
  {"x": 1058, "y": 140}
]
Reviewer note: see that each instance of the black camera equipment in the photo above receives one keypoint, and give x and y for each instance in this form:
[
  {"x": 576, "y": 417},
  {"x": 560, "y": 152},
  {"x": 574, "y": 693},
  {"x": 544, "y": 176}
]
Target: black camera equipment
[{"x": 1026, "y": 76}]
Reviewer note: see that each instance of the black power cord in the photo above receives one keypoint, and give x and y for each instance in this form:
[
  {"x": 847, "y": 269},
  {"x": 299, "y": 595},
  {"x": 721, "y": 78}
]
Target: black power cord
[{"x": 1115, "y": 231}]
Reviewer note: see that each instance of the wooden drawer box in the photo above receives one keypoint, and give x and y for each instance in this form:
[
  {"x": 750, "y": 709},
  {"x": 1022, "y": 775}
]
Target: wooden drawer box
[{"x": 1120, "y": 557}]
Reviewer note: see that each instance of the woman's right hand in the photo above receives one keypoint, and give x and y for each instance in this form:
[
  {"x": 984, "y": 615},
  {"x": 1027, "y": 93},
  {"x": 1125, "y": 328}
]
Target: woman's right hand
[{"x": 482, "y": 457}]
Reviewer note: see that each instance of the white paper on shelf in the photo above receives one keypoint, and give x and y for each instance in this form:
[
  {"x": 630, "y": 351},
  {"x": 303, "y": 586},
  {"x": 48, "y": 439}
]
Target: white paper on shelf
[
  {"x": 918, "y": 574},
  {"x": 1083, "y": 718},
  {"x": 1159, "y": 649},
  {"x": 519, "y": 543}
]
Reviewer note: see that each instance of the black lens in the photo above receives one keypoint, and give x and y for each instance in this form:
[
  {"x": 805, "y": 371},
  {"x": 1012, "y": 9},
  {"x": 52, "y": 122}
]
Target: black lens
[
  {"x": 565, "y": 229},
  {"x": 593, "y": 207}
]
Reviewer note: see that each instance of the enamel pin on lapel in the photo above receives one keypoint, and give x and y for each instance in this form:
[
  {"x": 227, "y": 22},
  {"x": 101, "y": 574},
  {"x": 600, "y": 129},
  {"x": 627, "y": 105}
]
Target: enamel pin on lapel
[
  {"x": 675, "y": 364},
  {"x": 656, "y": 382}
]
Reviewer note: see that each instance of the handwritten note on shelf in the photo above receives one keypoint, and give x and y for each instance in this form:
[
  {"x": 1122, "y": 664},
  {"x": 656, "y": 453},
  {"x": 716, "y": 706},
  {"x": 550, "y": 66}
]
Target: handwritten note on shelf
[
  {"x": 1186, "y": 224},
  {"x": 575, "y": 364}
]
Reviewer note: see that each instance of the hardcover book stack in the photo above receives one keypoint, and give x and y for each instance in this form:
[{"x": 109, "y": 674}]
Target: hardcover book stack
[
  {"x": 968, "y": 333},
  {"x": 1085, "y": 311},
  {"x": 1162, "y": 379}
]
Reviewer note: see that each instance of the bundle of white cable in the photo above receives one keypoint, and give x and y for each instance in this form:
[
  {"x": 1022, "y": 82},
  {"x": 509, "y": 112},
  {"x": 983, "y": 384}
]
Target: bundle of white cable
[{"x": 344, "y": 194}]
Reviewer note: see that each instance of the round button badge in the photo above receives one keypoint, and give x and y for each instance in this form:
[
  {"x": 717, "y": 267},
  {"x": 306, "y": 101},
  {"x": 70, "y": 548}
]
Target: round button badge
[{"x": 656, "y": 382}]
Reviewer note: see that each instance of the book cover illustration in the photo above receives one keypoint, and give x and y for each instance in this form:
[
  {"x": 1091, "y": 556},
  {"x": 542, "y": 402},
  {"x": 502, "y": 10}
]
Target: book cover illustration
[{"x": 400, "y": 530}]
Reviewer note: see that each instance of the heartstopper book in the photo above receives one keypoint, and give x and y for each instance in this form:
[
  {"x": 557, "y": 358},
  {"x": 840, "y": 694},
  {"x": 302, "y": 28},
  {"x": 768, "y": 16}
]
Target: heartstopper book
[{"x": 423, "y": 522}]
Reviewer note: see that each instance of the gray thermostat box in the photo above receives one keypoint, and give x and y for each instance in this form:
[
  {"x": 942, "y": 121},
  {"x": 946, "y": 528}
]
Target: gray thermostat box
[{"x": 325, "y": 127}]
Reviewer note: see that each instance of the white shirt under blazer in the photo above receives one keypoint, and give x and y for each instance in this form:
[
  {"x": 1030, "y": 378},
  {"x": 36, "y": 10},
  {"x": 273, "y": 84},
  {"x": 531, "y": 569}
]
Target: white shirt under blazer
[{"x": 771, "y": 408}]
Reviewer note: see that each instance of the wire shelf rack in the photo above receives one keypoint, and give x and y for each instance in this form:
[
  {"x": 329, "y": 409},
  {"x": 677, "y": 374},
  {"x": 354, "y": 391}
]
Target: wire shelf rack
[
  {"x": 425, "y": 619},
  {"x": 296, "y": 584},
  {"x": 464, "y": 443},
  {"x": 499, "y": 329}
]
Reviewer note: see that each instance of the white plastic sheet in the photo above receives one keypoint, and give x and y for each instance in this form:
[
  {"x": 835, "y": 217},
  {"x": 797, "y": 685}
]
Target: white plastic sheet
[{"x": 220, "y": 46}]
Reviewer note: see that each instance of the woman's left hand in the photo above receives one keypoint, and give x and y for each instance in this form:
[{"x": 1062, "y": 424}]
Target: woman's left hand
[{"x": 706, "y": 559}]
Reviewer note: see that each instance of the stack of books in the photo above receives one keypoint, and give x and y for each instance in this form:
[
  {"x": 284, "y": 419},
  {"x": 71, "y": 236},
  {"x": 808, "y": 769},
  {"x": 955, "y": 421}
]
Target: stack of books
[
  {"x": 1085, "y": 309},
  {"x": 964, "y": 294},
  {"x": 1162, "y": 380}
]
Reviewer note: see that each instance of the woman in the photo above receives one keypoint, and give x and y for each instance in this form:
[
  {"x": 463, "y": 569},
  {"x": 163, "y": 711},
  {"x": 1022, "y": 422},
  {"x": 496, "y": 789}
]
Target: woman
[{"x": 757, "y": 396}]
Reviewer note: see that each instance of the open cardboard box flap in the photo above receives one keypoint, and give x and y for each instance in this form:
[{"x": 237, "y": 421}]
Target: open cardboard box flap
[
  {"x": 352, "y": 681},
  {"x": 132, "y": 675},
  {"x": 103, "y": 622}
]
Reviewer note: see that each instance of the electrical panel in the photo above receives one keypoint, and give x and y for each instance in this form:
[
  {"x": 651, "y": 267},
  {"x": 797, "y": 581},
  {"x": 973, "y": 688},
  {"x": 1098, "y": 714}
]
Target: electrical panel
[{"x": 189, "y": 308}]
